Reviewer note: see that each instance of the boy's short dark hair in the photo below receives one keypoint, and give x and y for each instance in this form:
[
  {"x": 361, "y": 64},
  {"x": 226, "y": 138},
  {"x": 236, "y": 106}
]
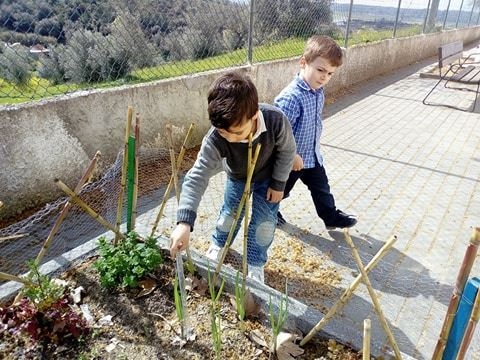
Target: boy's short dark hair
[
  {"x": 325, "y": 47},
  {"x": 231, "y": 98}
]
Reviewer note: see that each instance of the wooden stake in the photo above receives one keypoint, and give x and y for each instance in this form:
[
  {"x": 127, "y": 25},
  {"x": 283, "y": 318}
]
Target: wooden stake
[
  {"x": 246, "y": 193},
  {"x": 171, "y": 184},
  {"x": 462, "y": 277},
  {"x": 88, "y": 209},
  {"x": 124, "y": 171},
  {"x": 470, "y": 329},
  {"x": 366, "y": 339},
  {"x": 350, "y": 290},
  {"x": 66, "y": 208},
  {"x": 9, "y": 277},
  {"x": 11, "y": 237},
  {"x": 373, "y": 295}
]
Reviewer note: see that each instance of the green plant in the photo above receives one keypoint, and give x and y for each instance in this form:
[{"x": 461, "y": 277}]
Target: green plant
[
  {"x": 40, "y": 290},
  {"x": 277, "y": 322},
  {"x": 215, "y": 314},
  {"x": 240, "y": 290},
  {"x": 178, "y": 300},
  {"x": 125, "y": 264}
]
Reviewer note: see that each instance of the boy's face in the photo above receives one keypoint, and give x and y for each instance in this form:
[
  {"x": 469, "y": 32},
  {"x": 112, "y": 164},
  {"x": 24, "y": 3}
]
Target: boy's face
[
  {"x": 316, "y": 73},
  {"x": 240, "y": 132}
]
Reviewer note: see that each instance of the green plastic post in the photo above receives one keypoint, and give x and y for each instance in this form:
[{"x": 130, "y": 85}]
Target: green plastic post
[{"x": 130, "y": 181}]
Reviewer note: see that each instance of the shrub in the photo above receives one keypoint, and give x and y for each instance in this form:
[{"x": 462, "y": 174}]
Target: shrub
[
  {"x": 126, "y": 263},
  {"x": 15, "y": 66}
]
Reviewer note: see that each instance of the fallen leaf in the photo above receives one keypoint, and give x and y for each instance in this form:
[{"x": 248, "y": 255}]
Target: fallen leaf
[
  {"x": 252, "y": 309},
  {"x": 147, "y": 285},
  {"x": 257, "y": 337},
  {"x": 286, "y": 347},
  {"x": 201, "y": 286}
]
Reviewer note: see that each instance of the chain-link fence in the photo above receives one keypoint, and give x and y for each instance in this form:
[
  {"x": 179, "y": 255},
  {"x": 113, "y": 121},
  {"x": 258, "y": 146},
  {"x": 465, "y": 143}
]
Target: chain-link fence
[{"x": 50, "y": 47}]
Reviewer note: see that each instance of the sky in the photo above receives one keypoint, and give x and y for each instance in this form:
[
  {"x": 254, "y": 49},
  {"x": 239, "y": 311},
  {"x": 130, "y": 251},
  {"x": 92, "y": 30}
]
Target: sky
[{"x": 411, "y": 4}]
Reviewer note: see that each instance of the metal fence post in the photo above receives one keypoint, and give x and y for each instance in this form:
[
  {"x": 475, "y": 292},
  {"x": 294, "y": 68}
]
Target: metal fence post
[
  {"x": 347, "y": 30},
  {"x": 478, "y": 17},
  {"x": 459, "y": 13},
  {"x": 396, "y": 19},
  {"x": 426, "y": 17},
  {"x": 446, "y": 14},
  {"x": 471, "y": 12},
  {"x": 250, "y": 34}
]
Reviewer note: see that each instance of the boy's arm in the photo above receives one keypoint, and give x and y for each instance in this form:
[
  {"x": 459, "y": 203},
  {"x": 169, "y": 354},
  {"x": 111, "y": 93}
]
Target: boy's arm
[
  {"x": 286, "y": 150},
  {"x": 290, "y": 107}
]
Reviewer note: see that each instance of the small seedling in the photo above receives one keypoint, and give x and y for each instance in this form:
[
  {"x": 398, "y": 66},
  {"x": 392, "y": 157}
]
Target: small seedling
[
  {"x": 240, "y": 290},
  {"x": 278, "y": 321},
  {"x": 215, "y": 314}
]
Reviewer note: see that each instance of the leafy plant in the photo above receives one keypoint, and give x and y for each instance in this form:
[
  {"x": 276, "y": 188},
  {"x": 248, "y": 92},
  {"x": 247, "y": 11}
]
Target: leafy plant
[
  {"x": 215, "y": 315},
  {"x": 125, "y": 264},
  {"x": 178, "y": 301},
  {"x": 40, "y": 290},
  {"x": 277, "y": 322}
]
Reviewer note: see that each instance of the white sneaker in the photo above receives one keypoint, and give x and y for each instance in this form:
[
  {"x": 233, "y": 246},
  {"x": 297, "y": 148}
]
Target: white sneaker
[
  {"x": 256, "y": 273},
  {"x": 213, "y": 252}
]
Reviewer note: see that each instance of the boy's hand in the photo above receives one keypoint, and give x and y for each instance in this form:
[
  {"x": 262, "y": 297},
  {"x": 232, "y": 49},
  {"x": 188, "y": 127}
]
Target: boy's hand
[
  {"x": 179, "y": 239},
  {"x": 274, "y": 196},
  {"x": 297, "y": 163}
]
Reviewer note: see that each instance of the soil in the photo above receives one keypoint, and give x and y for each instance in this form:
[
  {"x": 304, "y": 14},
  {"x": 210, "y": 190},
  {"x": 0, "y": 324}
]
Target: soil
[{"x": 144, "y": 325}]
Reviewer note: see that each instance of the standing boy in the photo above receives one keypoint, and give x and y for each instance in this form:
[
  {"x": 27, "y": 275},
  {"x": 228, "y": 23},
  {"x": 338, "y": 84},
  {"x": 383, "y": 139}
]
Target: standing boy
[
  {"x": 234, "y": 112},
  {"x": 302, "y": 102}
]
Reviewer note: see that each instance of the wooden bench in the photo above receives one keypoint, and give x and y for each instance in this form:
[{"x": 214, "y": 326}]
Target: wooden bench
[{"x": 454, "y": 68}]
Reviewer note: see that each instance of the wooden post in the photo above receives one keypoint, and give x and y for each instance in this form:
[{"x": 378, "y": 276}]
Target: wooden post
[
  {"x": 135, "y": 180},
  {"x": 170, "y": 184},
  {"x": 349, "y": 291},
  {"x": 66, "y": 207},
  {"x": 366, "y": 339},
  {"x": 124, "y": 171},
  {"x": 88, "y": 209},
  {"x": 462, "y": 277}
]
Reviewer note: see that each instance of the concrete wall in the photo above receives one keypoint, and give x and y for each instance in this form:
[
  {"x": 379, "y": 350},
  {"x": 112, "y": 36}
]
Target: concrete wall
[{"x": 55, "y": 138}]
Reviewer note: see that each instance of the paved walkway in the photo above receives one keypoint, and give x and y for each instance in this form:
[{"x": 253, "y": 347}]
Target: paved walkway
[{"x": 409, "y": 170}]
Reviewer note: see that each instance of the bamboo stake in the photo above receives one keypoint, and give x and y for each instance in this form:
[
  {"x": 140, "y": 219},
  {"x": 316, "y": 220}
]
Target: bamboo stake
[
  {"x": 170, "y": 184},
  {"x": 11, "y": 237},
  {"x": 246, "y": 191},
  {"x": 366, "y": 339},
  {"x": 135, "y": 179},
  {"x": 124, "y": 171},
  {"x": 9, "y": 277},
  {"x": 373, "y": 296},
  {"x": 462, "y": 277},
  {"x": 237, "y": 214},
  {"x": 470, "y": 329},
  {"x": 87, "y": 208},
  {"x": 1, "y": 204},
  {"x": 66, "y": 208},
  {"x": 175, "y": 169},
  {"x": 350, "y": 290}
]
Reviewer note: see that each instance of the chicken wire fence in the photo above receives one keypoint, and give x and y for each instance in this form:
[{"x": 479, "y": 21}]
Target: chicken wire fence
[{"x": 54, "y": 48}]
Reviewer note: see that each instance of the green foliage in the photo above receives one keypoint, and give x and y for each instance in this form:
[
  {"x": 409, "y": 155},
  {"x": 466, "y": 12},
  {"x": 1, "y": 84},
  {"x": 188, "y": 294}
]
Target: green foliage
[
  {"x": 15, "y": 66},
  {"x": 278, "y": 321},
  {"x": 240, "y": 290},
  {"x": 215, "y": 314},
  {"x": 178, "y": 300},
  {"x": 126, "y": 263},
  {"x": 40, "y": 290}
]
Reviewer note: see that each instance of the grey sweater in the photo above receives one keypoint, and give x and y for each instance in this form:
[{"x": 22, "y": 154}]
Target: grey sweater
[{"x": 216, "y": 153}]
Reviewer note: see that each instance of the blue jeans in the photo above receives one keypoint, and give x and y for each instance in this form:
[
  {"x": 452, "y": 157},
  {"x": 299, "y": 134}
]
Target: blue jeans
[
  {"x": 262, "y": 222},
  {"x": 317, "y": 182}
]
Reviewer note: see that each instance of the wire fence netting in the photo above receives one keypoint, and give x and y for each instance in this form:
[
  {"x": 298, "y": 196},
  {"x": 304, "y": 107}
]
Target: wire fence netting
[{"x": 58, "y": 48}]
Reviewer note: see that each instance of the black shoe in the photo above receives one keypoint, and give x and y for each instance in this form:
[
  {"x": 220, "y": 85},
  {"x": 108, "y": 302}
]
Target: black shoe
[
  {"x": 280, "y": 219},
  {"x": 341, "y": 221}
]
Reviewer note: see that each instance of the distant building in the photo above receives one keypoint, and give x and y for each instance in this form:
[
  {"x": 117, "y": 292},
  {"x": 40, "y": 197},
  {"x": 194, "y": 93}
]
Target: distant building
[{"x": 39, "y": 49}]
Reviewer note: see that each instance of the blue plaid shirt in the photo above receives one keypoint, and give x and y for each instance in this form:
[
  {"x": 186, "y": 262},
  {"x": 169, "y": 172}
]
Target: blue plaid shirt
[{"x": 303, "y": 108}]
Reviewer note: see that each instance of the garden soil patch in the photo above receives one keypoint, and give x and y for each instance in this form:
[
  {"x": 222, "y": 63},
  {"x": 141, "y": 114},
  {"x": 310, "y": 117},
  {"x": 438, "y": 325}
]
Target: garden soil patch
[{"x": 142, "y": 324}]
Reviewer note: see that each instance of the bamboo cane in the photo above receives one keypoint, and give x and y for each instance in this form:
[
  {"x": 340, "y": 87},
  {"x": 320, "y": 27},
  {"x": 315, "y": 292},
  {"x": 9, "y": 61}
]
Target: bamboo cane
[
  {"x": 373, "y": 296},
  {"x": 124, "y": 171},
  {"x": 12, "y": 237},
  {"x": 246, "y": 193},
  {"x": 135, "y": 179},
  {"x": 66, "y": 208},
  {"x": 349, "y": 291},
  {"x": 175, "y": 169},
  {"x": 88, "y": 209},
  {"x": 1, "y": 204},
  {"x": 470, "y": 329},
  {"x": 237, "y": 214},
  {"x": 367, "y": 330},
  {"x": 462, "y": 277},
  {"x": 170, "y": 184},
  {"x": 9, "y": 277}
]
